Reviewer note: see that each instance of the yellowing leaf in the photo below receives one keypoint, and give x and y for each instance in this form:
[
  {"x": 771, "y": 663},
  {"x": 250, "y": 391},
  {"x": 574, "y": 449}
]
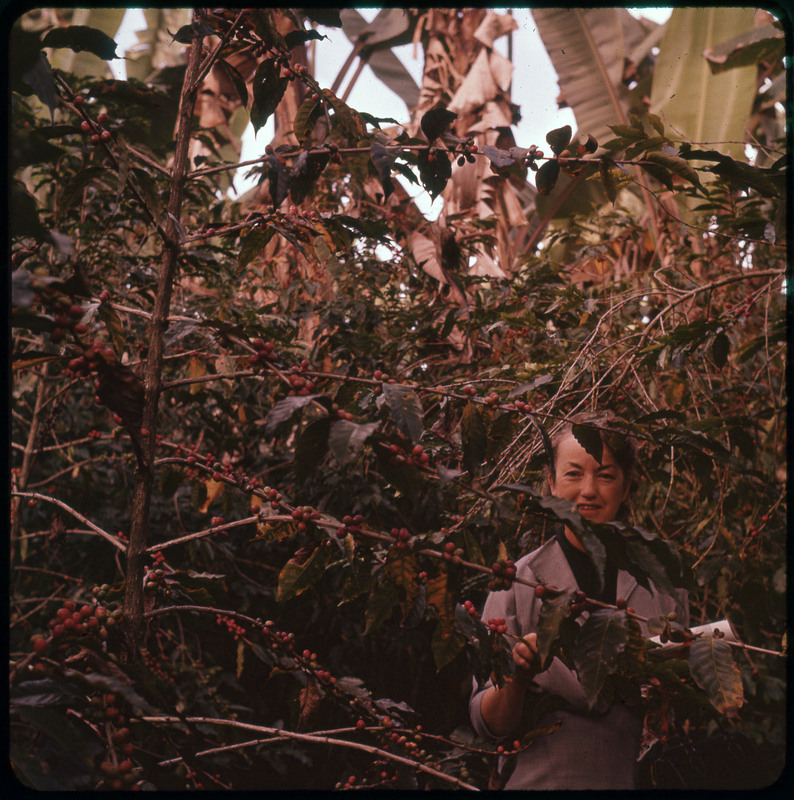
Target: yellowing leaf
[
  {"x": 214, "y": 491},
  {"x": 196, "y": 369}
]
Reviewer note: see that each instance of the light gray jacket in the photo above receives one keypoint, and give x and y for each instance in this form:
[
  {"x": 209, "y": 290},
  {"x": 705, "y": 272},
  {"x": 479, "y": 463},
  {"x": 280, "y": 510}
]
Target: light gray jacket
[{"x": 595, "y": 749}]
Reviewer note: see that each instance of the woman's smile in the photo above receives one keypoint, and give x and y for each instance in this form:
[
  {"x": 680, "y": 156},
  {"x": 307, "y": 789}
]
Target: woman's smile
[{"x": 596, "y": 489}]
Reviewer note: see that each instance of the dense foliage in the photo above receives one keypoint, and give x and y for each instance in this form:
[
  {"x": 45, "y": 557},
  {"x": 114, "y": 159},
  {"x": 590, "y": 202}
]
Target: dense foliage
[{"x": 270, "y": 453}]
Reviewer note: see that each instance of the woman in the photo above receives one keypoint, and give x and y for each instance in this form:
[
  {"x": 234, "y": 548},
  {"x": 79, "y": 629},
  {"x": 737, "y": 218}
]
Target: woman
[{"x": 588, "y": 749}]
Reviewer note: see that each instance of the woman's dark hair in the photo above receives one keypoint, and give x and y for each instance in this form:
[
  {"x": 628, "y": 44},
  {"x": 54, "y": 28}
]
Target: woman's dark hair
[{"x": 612, "y": 431}]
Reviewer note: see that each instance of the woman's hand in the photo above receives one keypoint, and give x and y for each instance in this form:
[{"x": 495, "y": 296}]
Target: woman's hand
[{"x": 525, "y": 657}]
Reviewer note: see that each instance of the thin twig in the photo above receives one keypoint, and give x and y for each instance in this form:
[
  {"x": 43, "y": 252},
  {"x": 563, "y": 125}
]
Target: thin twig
[{"x": 312, "y": 738}]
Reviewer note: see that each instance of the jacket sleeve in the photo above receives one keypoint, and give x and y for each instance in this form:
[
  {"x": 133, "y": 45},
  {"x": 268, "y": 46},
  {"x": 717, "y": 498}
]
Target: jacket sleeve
[{"x": 498, "y": 604}]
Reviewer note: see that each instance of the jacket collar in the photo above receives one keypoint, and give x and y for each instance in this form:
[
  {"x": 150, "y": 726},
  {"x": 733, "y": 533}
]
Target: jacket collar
[{"x": 550, "y": 566}]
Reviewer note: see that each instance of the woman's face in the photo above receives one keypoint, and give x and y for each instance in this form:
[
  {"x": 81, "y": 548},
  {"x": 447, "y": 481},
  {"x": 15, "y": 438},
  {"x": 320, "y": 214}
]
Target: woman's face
[{"x": 596, "y": 489}]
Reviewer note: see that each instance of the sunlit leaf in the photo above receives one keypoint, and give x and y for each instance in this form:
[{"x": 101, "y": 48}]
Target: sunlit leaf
[
  {"x": 296, "y": 577},
  {"x": 715, "y": 671}
]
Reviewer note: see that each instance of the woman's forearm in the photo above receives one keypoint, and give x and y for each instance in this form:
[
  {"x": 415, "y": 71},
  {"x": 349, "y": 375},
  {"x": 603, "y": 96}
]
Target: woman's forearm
[{"x": 501, "y": 709}]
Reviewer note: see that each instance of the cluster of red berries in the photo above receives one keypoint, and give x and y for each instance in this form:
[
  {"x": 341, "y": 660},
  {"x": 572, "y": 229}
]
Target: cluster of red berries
[
  {"x": 469, "y": 391},
  {"x": 453, "y": 553},
  {"x": 383, "y": 377},
  {"x": 304, "y": 213},
  {"x": 231, "y": 626},
  {"x": 303, "y": 515},
  {"x": 470, "y": 608},
  {"x": 218, "y": 522},
  {"x": 342, "y": 414},
  {"x": 300, "y": 386},
  {"x": 492, "y": 399},
  {"x": 497, "y": 625},
  {"x": 152, "y": 578},
  {"x": 400, "y": 456},
  {"x": 506, "y": 749},
  {"x": 522, "y": 406},
  {"x": 503, "y": 571},
  {"x": 98, "y": 133},
  {"x": 533, "y": 154},
  {"x": 89, "y": 359},
  {"x": 401, "y": 536},
  {"x": 350, "y": 524},
  {"x": 157, "y": 666},
  {"x": 65, "y": 314},
  {"x": 118, "y": 774},
  {"x": 71, "y": 621},
  {"x": 265, "y": 352}
]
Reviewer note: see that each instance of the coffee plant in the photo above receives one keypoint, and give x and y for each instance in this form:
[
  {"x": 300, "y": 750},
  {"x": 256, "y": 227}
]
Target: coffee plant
[{"x": 270, "y": 452}]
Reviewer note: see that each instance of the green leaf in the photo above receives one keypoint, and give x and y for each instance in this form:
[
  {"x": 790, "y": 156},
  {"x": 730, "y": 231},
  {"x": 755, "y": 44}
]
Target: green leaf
[
  {"x": 434, "y": 172},
  {"x": 714, "y": 670},
  {"x": 747, "y": 48},
  {"x": 676, "y": 165},
  {"x": 253, "y": 244},
  {"x": 720, "y": 348},
  {"x": 284, "y": 409},
  {"x": 324, "y": 16},
  {"x": 380, "y": 604},
  {"x": 474, "y": 436},
  {"x": 113, "y": 326},
  {"x": 70, "y": 739},
  {"x": 698, "y": 105},
  {"x": 659, "y": 173},
  {"x": 546, "y": 176},
  {"x": 311, "y": 109},
  {"x": 279, "y": 176},
  {"x": 237, "y": 80},
  {"x": 72, "y": 192},
  {"x": 609, "y": 181},
  {"x": 308, "y": 167},
  {"x": 500, "y": 159},
  {"x": 590, "y": 438},
  {"x": 311, "y": 447},
  {"x": 436, "y": 122},
  {"x": 82, "y": 37},
  {"x": 268, "y": 89},
  {"x": 45, "y": 692},
  {"x": 559, "y": 138},
  {"x": 587, "y": 47},
  {"x": 446, "y": 644},
  {"x": 349, "y": 120},
  {"x": 382, "y": 160},
  {"x": 601, "y": 639},
  {"x": 405, "y": 409},
  {"x": 553, "y": 612},
  {"x": 564, "y": 510},
  {"x": 295, "y": 578},
  {"x": 346, "y": 438},
  {"x": 296, "y": 38}
]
